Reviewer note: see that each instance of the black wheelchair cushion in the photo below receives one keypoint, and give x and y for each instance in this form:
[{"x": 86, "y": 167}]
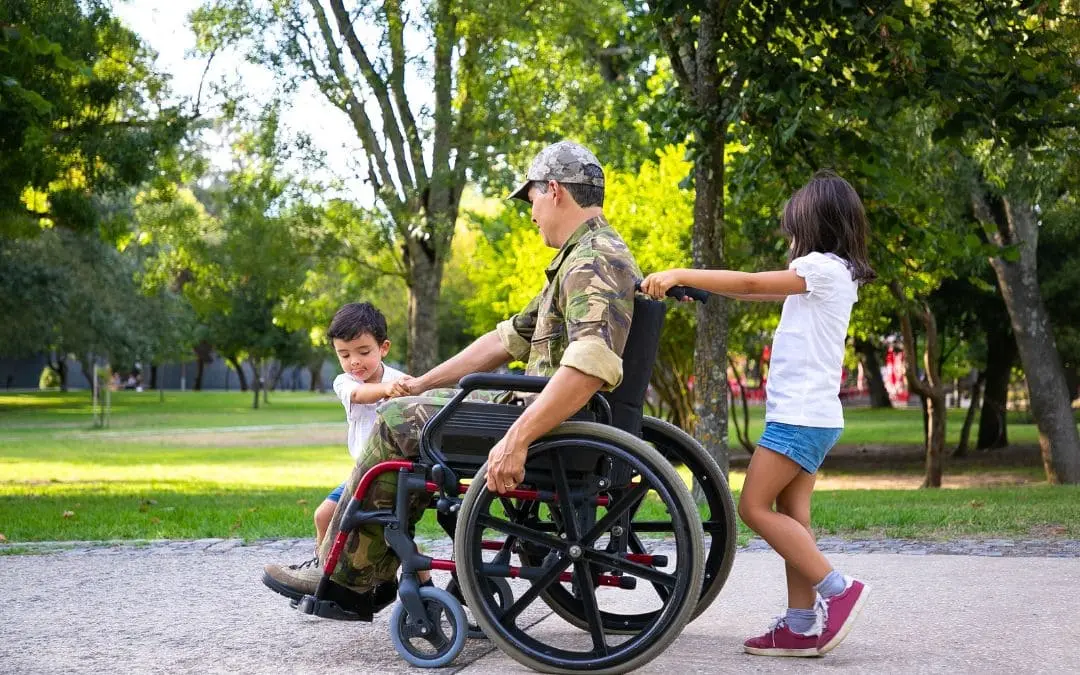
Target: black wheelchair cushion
[{"x": 474, "y": 428}]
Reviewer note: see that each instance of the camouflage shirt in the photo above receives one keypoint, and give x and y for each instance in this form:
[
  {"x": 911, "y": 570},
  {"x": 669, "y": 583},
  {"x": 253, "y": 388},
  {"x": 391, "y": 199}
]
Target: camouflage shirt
[{"x": 582, "y": 316}]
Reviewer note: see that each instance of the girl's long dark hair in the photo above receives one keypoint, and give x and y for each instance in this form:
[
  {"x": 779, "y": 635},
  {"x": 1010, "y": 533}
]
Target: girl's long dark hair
[{"x": 827, "y": 216}]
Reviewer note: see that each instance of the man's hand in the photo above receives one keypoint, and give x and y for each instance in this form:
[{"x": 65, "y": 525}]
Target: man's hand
[
  {"x": 506, "y": 465},
  {"x": 658, "y": 283},
  {"x": 407, "y": 386}
]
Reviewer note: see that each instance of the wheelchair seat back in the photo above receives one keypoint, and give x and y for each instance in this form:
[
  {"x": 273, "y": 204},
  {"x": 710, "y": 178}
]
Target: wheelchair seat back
[{"x": 639, "y": 356}]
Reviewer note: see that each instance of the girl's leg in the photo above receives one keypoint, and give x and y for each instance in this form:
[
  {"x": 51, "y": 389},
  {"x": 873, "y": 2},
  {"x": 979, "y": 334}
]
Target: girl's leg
[
  {"x": 767, "y": 476},
  {"x": 794, "y": 502}
]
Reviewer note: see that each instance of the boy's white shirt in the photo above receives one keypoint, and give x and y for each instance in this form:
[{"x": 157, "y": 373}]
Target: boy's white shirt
[
  {"x": 361, "y": 416},
  {"x": 808, "y": 348}
]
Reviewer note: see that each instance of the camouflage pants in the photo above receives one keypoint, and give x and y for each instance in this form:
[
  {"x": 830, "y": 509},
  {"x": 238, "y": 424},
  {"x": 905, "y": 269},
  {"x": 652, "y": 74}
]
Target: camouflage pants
[{"x": 367, "y": 559}]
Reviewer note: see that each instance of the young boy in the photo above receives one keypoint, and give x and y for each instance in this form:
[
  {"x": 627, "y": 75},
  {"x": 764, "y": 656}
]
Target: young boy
[{"x": 358, "y": 334}]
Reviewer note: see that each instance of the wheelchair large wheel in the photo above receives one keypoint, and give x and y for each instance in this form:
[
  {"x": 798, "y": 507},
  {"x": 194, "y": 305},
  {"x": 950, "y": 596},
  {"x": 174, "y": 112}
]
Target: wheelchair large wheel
[
  {"x": 718, "y": 521},
  {"x": 592, "y": 475},
  {"x": 718, "y": 509}
]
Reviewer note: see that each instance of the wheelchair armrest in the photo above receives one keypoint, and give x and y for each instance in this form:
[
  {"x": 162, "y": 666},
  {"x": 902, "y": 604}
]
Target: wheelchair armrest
[{"x": 500, "y": 381}]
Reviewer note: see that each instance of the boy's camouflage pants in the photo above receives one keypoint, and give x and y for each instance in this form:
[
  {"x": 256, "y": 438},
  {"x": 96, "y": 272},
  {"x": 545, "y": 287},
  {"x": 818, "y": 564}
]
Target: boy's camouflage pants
[{"x": 367, "y": 559}]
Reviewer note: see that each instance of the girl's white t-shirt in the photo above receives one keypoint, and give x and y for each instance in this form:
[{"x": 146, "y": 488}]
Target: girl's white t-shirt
[
  {"x": 808, "y": 348},
  {"x": 361, "y": 416}
]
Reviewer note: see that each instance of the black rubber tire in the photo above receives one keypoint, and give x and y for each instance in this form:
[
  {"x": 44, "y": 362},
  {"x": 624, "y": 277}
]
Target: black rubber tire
[
  {"x": 678, "y": 447},
  {"x": 501, "y": 588},
  {"x": 682, "y": 448},
  {"x": 433, "y": 598},
  {"x": 674, "y": 616}
]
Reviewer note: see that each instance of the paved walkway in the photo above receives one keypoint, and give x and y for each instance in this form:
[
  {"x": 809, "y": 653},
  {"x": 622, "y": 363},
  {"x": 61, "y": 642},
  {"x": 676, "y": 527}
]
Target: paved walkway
[{"x": 990, "y": 607}]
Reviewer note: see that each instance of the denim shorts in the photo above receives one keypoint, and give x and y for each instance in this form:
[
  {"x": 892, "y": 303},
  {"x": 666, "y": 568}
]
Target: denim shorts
[
  {"x": 335, "y": 496},
  {"x": 806, "y": 446}
]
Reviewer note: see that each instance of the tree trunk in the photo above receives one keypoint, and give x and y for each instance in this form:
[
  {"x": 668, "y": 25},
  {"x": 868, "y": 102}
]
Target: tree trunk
[
  {"x": 1016, "y": 224},
  {"x": 425, "y": 279},
  {"x": 256, "y": 382},
  {"x": 238, "y": 367},
  {"x": 929, "y": 387},
  {"x": 277, "y": 377},
  {"x": 1000, "y": 355},
  {"x": 153, "y": 376},
  {"x": 60, "y": 367},
  {"x": 742, "y": 432},
  {"x": 969, "y": 418},
  {"x": 935, "y": 438},
  {"x": 316, "y": 376},
  {"x": 710, "y": 345},
  {"x": 204, "y": 354},
  {"x": 879, "y": 395},
  {"x": 87, "y": 364}
]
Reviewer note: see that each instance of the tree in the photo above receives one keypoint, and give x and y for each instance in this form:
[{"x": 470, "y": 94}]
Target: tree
[
  {"x": 82, "y": 115},
  {"x": 238, "y": 246},
  {"x": 482, "y": 66},
  {"x": 763, "y": 66},
  {"x": 1019, "y": 72}
]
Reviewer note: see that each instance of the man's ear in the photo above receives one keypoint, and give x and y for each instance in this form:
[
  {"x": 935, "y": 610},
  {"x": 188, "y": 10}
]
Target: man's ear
[{"x": 553, "y": 188}]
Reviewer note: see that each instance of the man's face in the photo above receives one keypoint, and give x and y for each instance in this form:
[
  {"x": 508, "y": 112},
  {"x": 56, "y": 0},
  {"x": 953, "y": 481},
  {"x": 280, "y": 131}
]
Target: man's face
[
  {"x": 361, "y": 356},
  {"x": 543, "y": 210}
]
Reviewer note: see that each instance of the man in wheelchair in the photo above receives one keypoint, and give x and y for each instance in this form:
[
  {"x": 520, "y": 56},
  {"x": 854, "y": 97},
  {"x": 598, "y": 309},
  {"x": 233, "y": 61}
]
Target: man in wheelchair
[{"x": 574, "y": 332}]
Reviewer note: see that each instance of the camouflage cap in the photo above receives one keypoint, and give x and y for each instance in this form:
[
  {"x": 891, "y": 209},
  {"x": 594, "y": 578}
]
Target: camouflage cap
[{"x": 565, "y": 162}]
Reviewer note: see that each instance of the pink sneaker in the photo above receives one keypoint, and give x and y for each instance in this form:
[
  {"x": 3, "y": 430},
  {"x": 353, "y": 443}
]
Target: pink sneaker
[
  {"x": 782, "y": 641},
  {"x": 840, "y": 612}
]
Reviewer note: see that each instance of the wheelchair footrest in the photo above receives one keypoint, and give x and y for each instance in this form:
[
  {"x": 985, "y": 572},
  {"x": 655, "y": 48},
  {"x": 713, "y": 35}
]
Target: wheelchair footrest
[{"x": 328, "y": 609}]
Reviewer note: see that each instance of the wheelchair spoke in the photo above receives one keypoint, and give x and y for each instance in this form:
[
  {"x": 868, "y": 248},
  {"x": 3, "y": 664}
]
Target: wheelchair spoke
[
  {"x": 562, "y": 489},
  {"x": 534, "y": 591},
  {"x": 629, "y": 567},
  {"x": 637, "y": 547},
  {"x": 614, "y": 512},
  {"x": 520, "y": 531},
  {"x": 512, "y": 511},
  {"x": 592, "y": 611}
]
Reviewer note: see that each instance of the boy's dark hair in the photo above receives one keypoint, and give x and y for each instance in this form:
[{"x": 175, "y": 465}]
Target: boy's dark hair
[
  {"x": 356, "y": 319},
  {"x": 584, "y": 195},
  {"x": 827, "y": 216}
]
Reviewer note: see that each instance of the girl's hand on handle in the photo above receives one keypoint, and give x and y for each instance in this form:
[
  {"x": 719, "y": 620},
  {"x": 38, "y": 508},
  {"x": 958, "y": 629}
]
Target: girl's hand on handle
[{"x": 658, "y": 283}]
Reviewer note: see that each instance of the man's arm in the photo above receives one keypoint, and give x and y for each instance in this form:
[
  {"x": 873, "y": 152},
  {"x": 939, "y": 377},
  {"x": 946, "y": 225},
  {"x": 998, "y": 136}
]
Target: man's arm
[
  {"x": 484, "y": 354},
  {"x": 567, "y": 392}
]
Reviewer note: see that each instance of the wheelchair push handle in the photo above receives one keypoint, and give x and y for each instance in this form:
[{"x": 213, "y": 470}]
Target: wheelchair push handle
[{"x": 682, "y": 292}]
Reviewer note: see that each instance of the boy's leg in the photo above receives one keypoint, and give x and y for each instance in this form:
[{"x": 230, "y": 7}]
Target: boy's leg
[{"x": 323, "y": 514}]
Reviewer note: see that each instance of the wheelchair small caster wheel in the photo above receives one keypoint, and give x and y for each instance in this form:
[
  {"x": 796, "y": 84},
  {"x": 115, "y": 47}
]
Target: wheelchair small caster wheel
[
  {"x": 438, "y": 640},
  {"x": 496, "y": 587}
]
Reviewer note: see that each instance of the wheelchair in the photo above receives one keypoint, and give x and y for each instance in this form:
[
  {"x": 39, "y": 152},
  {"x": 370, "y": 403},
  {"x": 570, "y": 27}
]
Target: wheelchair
[{"x": 603, "y": 531}]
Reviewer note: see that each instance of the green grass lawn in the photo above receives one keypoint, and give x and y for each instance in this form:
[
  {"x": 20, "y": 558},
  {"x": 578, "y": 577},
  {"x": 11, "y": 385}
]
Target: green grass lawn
[{"x": 153, "y": 475}]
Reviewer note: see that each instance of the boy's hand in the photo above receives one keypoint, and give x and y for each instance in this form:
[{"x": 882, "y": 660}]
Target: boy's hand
[
  {"x": 394, "y": 390},
  {"x": 658, "y": 283},
  {"x": 389, "y": 390},
  {"x": 407, "y": 386}
]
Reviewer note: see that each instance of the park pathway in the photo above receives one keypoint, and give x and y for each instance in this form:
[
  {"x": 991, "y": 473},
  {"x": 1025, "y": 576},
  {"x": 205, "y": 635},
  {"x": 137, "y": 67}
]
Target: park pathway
[{"x": 999, "y": 606}]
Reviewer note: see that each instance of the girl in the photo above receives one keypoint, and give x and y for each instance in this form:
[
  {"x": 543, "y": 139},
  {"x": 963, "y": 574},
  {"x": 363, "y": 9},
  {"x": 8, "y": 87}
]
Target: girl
[{"x": 826, "y": 225}]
